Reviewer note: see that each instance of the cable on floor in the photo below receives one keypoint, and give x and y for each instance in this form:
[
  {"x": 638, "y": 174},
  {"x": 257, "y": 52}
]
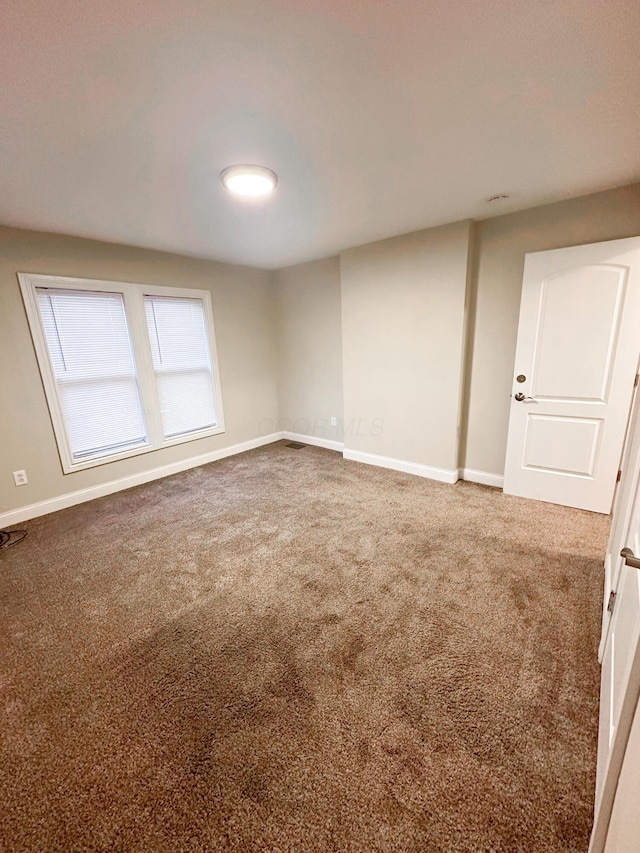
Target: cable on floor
[{"x": 11, "y": 537}]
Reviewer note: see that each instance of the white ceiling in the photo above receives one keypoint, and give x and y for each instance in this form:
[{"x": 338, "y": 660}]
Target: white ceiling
[{"x": 380, "y": 116}]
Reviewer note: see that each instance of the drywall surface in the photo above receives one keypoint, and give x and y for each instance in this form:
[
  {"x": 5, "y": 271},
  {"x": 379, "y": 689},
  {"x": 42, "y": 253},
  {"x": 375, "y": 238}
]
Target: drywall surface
[
  {"x": 500, "y": 248},
  {"x": 309, "y": 325},
  {"x": 403, "y": 321},
  {"x": 244, "y": 317}
]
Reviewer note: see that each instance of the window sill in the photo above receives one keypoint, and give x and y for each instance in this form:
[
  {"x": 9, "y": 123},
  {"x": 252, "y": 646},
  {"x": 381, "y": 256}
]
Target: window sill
[{"x": 96, "y": 461}]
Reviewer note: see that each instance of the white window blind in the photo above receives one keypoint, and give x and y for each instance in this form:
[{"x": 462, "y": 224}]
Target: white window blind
[
  {"x": 94, "y": 370},
  {"x": 180, "y": 350}
]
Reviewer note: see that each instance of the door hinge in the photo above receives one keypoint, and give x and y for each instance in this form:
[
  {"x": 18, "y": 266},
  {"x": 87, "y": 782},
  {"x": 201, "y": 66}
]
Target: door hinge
[
  {"x": 635, "y": 381},
  {"x": 611, "y": 602},
  {"x": 618, "y": 477}
]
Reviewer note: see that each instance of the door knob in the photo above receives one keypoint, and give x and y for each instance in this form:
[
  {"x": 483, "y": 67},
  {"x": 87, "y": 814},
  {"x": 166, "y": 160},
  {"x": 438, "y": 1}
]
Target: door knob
[
  {"x": 520, "y": 397},
  {"x": 630, "y": 558}
]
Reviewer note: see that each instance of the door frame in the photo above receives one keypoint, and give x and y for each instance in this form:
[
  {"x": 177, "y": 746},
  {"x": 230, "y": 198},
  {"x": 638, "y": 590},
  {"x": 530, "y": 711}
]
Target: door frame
[
  {"x": 624, "y": 500},
  {"x": 629, "y": 466},
  {"x": 602, "y": 815}
]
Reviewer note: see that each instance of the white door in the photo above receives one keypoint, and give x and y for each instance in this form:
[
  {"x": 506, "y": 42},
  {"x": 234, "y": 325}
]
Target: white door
[
  {"x": 620, "y": 673},
  {"x": 576, "y": 358}
]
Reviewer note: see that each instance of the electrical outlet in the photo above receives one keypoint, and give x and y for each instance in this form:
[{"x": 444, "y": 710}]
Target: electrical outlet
[
  {"x": 334, "y": 422},
  {"x": 20, "y": 478}
]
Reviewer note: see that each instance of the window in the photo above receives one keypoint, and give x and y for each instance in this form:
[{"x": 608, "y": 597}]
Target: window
[
  {"x": 181, "y": 361},
  {"x": 93, "y": 369},
  {"x": 126, "y": 368}
]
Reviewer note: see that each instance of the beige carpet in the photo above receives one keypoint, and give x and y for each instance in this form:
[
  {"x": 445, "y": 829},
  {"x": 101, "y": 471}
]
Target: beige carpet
[{"x": 284, "y": 651}]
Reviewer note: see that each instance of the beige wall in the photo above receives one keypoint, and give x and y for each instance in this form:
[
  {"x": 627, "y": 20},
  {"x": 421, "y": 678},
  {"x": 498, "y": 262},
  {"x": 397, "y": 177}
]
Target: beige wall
[
  {"x": 244, "y": 315},
  {"x": 310, "y": 348},
  {"x": 394, "y": 322},
  {"x": 403, "y": 317},
  {"x": 401, "y": 305},
  {"x": 501, "y": 245}
]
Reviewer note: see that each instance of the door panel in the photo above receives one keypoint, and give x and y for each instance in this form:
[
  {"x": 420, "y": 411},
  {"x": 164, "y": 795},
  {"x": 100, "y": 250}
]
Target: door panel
[
  {"x": 560, "y": 444},
  {"x": 578, "y": 322},
  {"x": 577, "y": 351}
]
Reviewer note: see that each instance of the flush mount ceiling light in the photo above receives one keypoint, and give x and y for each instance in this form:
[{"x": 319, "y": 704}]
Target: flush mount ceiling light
[{"x": 251, "y": 181}]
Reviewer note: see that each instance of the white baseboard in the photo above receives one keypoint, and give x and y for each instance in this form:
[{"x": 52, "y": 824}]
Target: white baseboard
[
  {"x": 327, "y": 443},
  {"x": 443, "y": 475},
  {"x": 482, "y": 477},
  {"x": 25, "y": 513}
]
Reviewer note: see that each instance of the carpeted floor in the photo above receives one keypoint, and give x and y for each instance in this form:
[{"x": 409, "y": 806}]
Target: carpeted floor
[{"x": 284, "y": 651}]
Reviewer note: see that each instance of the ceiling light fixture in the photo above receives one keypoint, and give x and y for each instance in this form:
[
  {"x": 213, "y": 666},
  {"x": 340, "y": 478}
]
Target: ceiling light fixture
[{"x": 248, "y": 180}]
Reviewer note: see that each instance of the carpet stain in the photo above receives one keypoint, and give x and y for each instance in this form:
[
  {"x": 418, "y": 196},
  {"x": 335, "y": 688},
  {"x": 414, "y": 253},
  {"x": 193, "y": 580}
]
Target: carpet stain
[{"x": 291, "y": 652}]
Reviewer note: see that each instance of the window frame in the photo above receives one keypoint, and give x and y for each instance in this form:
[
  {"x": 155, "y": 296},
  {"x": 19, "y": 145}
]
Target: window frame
[{"x": 133, "y": 295}]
